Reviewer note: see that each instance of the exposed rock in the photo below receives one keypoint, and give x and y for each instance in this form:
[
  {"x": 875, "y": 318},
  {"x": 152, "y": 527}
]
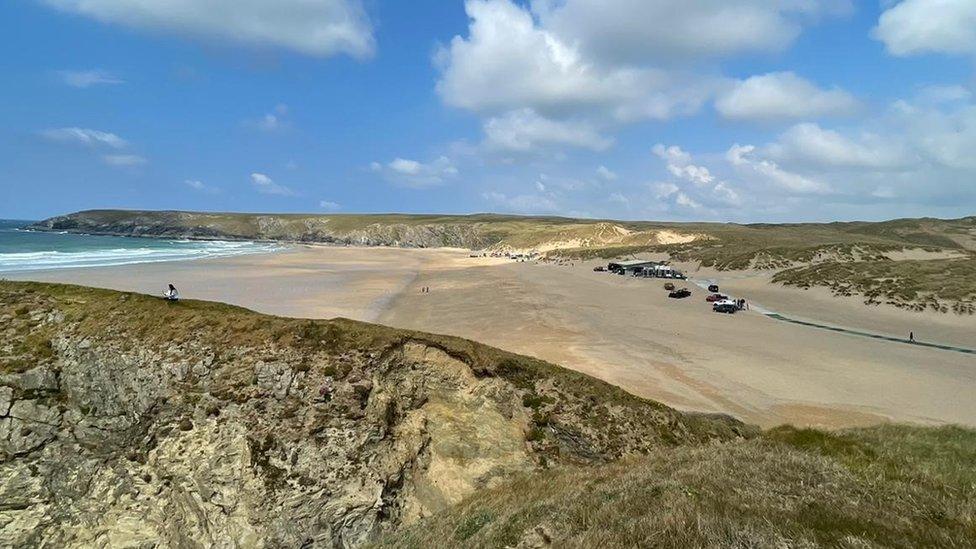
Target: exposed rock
[
  {"x": 6, "y": 399},
  {"x": 238, "y": 430}
]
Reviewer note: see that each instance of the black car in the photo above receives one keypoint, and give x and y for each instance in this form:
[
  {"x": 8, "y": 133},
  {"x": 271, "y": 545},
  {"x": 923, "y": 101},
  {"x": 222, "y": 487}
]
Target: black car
[
  {"x": 680, "y": 294},
  {"x": 713, "y": 288}
]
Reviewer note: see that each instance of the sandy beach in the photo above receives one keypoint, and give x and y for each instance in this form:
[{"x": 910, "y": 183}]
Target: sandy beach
[{"x": 623, "y": 330}]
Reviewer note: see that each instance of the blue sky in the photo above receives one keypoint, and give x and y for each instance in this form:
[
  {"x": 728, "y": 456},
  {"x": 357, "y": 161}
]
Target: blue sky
[{"x": 734, "y": 110}]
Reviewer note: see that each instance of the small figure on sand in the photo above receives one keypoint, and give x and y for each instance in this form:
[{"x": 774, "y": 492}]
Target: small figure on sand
[
  {"x": 171, "y": 294},
  {"x": 911, "y": 337}
]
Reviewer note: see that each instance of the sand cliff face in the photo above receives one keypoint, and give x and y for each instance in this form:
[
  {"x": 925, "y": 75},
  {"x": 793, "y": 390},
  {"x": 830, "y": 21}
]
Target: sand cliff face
[{"x": 127, "y": 421}]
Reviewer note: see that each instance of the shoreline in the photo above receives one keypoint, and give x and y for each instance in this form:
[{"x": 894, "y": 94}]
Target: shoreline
[
  {"x": 619, "y": 329},
  {"x": 147, "y": 261}
]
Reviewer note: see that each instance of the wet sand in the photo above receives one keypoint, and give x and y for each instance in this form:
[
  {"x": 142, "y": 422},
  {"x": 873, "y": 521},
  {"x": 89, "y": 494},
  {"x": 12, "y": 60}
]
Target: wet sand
[{"x": 623, "y": 330}]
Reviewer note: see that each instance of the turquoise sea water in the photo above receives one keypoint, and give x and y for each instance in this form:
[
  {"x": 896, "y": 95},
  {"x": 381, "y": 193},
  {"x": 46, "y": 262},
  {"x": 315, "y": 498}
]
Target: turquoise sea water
[{"x": 22, "y": 250}]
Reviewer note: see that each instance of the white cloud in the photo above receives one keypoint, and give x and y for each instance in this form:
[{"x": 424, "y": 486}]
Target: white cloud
[
  {"x": 511, "y": 69},
  {"x": 724, "y": 193},
  {"x": 699, "y": 175},
  {"x": 329, "y": 206},
  {"x": 525, "y": 131},
  {"x": 665, "y": 189},
  {"x": 672, "y": 154},
  {"x": 914, "y": 159},
  {"x": 124, "y": 160},
  {"x": 606, "y": 173},
  {"x": 742, "y": 156},
  {"x": 508, "y": 63},
  {"x": 523, "y": 203},
  {"x": 86, "y": 79},
  {"x": 679, "y": 165},
  {"x": 915, "y": 27},
  {"x": 414, "y": 174},
  {"x": 682, "y": 199},
  {"x": 943, "y": 135},
  {"x": 810, "y": 144},
  {"x": 200, "y": 186},
  {"x": 594, "y": 65},
  {"x": 85, "y": 136},
  {"x": 782, "y": 95},
  {"x": 944, "y": 94},
  {"x": 638, "y": 30},
  {"x": 704, "y": 186},
  {"x": 406, "y": 167},
  {"x": 320, "y": 27},
  {"x": 265, "y": 185},
  {"x": 274, "y": 120}
]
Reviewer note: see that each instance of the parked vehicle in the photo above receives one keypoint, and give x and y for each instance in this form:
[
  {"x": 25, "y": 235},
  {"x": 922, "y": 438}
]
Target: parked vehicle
[
  {"x": 725, "y": 306},
  {"x": 680, "y": 294},
  {"x": 599, "y": 269},
  {"x": 669, "y": 286},
  {"x": 713, "y": 288},
  {"x": 716, "y": 297}
]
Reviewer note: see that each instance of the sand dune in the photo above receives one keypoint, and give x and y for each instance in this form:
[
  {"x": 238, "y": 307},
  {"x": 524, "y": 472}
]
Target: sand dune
[{"x": 623, "y": 330}]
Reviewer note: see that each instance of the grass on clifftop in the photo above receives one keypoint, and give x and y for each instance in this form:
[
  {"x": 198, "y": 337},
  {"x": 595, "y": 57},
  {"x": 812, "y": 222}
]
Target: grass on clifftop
[
  {"x": 136, "y": 321},
  {"x": 889, "y": 486}
]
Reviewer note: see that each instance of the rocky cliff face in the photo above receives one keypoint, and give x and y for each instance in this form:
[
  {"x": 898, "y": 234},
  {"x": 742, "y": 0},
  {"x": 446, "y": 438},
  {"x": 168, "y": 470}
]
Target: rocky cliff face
[{"x": 126, "y": 421}]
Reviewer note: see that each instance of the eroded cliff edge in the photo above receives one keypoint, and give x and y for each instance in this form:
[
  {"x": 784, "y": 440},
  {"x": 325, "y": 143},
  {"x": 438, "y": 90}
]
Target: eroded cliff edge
[{"x": 129, "y": 421}]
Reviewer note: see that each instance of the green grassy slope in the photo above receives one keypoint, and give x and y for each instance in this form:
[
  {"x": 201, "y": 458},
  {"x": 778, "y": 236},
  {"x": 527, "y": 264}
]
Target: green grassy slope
[
  {"x": 941, "y": 285},
  {"x": 34, "y": 315},
  {"x": 889, "y": 486}
]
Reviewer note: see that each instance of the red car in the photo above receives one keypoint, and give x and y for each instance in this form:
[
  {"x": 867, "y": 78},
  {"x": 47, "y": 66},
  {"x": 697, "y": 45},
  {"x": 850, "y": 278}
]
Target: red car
[{"x": 716, "y": 297}]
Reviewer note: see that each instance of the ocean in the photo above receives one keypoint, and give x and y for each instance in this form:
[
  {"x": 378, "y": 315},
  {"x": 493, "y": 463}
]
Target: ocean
[{"x": 22, "y": 250}]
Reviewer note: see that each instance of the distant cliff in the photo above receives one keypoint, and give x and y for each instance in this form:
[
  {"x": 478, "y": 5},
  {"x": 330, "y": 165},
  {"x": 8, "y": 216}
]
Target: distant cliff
[
  {"x": 475, "y": 232},
  {"x": 352, "y": 230}
]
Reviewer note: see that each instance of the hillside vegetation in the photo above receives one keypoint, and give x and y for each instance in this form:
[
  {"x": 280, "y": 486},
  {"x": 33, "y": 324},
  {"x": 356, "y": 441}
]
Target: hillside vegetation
[
  {"x": 889, "y": 486},
  {"x": 946, "y": 285},
  {"x": 479, "y": 231}
]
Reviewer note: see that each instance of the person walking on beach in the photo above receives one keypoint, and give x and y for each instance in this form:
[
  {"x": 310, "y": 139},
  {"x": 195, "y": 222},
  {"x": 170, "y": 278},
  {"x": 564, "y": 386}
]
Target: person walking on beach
[{"x": 911, "y": 337}]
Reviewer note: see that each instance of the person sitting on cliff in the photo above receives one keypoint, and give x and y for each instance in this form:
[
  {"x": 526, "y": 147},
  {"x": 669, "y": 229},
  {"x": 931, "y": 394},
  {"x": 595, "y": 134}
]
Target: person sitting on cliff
[{"x": 171, "y": 294}]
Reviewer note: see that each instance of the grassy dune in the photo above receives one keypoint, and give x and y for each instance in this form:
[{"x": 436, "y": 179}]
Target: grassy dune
[{"x": 941, "y": 285}]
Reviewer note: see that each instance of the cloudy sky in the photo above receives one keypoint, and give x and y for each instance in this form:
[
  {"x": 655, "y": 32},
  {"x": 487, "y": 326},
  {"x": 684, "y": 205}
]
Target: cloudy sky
[{"x": 735, "y": 110}]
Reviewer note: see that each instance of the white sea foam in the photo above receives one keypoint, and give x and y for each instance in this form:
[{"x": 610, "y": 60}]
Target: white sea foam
[{"x": 173, "y": 251}]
